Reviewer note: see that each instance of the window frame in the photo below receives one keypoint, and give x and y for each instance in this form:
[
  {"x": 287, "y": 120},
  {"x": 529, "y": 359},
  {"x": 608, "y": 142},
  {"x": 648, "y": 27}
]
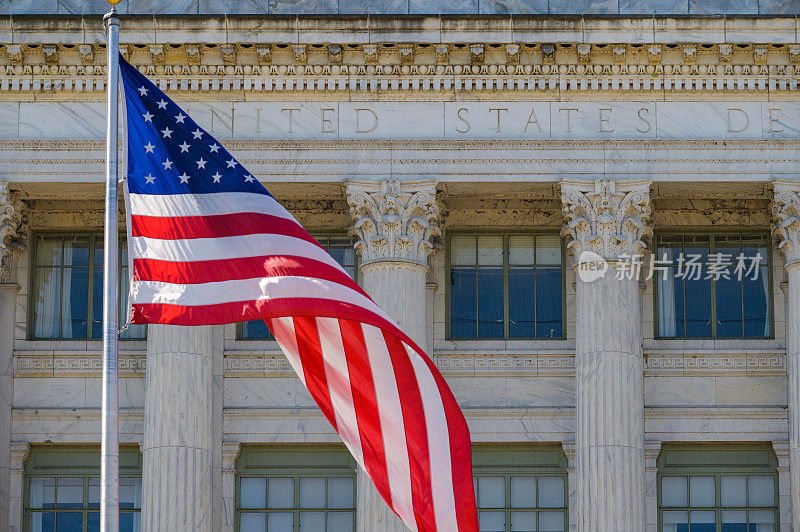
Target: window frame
[
  {"x": 284, "y": 455},
  {"x": 713, "y": 299},
  {"x": 94, "y": 237},
  {"x": 521, "y": 459},
  {"x": 506, "y": 318},
  {"x": 740, "y": 462},
  {"x": 85, "y": 464},
  {"x": 317, "y": 236}
]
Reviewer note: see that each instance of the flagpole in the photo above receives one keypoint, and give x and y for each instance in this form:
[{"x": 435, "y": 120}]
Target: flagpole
[{"x": 109, "y": 474}]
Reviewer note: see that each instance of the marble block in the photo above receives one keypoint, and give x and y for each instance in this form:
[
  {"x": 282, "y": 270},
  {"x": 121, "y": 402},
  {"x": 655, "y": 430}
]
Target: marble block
[
  {"x": 303, "y": 7},
  {"x": 449, "y": 7},
  {"x": 513, "y": 7},
  {"x": 376, "y": 7},
  {"x": 656, "y": 7},
  {"x": 584, "y": 7},
  {"x": 719, "y": 7}
]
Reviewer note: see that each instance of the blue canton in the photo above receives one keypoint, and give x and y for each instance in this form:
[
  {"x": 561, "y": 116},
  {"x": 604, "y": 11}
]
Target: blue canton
[{"x": 168, "y": 153}]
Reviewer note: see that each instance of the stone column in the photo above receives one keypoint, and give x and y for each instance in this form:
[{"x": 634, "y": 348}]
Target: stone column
[
  {"x": 18, "y": 452},
  {"x": 786, "y": 213},
  {"x": 11, "y": 234},
  {"x": 569, "y": 452},
  {"x": 651, "y": 451},
  {"x": 606, "y": 221},
  {"x": 395, "y": 223},
  {"x": 230, "y": 453},
  {"x": 781, "y": 449},
  {"x": 177, "y": 449}
]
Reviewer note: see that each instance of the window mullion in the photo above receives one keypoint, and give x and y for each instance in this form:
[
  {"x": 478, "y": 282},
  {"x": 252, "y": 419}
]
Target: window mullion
[{"x": 506, "y": 317}]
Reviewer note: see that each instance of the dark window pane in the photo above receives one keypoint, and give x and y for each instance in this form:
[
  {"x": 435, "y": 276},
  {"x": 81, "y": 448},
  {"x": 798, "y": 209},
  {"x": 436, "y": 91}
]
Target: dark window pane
[
  {"x": 43, "y": 521},
  {"x": 69, "y": 522},
  {"x": 521, "y": 309},
  {"x": 697, "y": 307},
  {"x": 490, "y": 302},
  {"x": 462, "y": 303},
  {"x": 75, "y": 302},
  {"x": 344, "y": 256},
  {"x": 696, "y": 246},
  {"x": 129, "y": 521},
  {"x": 756, "y": 304},
  {"x": 94, "y": 522},
  {"x": 97, "y": 303},
  {"x": 76, "y": 252},
  {"x": 49, "y": 251},
  {"x": 47, "y": 302},
  {"x": 729, "y": 307},
  {"x": 548, "y": 303},
  {"x": 256, "y": 329}
]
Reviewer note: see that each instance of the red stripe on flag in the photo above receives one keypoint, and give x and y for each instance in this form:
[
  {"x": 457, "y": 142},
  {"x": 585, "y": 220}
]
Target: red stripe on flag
[
  {"x": 310, "y": 353},
  {"x": 210, "y": 271},
  {"x": 416, "y": 434},
  {"x": 215, "y": 226},
  {"x": 366, "y": 406}
]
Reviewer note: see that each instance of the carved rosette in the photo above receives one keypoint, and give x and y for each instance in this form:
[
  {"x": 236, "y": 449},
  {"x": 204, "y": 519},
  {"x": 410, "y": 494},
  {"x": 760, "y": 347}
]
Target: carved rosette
[
  {"x": 12, "y": 229},
  {"x": 394, "y": 221},
  {"x": 606, "y": 217},
  {"x": 786, "y": 214}
]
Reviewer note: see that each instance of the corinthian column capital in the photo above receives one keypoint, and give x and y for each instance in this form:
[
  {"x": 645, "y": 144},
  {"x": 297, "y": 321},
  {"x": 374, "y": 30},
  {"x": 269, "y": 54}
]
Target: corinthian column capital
[
  {"x": 606, "y": 217},
  {"x": 786, "y": 214},
  {"x": 393, "y": 220},
  {"x": 12, "y": 228}
]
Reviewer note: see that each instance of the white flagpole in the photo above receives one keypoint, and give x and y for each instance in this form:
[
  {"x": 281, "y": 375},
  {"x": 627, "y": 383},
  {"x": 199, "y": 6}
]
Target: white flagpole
[{"x": 109, "y": 474}]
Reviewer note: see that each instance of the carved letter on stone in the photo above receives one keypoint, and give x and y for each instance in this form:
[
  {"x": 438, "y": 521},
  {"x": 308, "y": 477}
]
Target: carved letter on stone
[
  {"x": 394, "y": 221},
  {"x": 786, "y": 213},
  {"x": 11, "y": 229},
  {"x": 607, "y": 217}
]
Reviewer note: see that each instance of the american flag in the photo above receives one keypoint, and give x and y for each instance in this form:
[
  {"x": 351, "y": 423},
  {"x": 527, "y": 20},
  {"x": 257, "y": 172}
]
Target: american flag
[{"x": 209, "y": 244}]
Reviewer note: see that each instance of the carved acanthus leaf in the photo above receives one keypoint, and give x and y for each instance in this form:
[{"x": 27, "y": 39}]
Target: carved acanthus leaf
[
  {"x": 12, "y": 229},
  {"x": 786, "y": 213},
  {"x": 394, "y": 221},
  {"x": 606, "y": 217}
]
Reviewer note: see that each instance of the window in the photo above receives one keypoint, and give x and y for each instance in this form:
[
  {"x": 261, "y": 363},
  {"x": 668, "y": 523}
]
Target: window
[
  {"x": 67, "y": 288},
  {"x": 713, "y": 488},
  {"x": 341, "y": 249},
  {"x": 520, "y": 488},
  {"x": 713, "y": 286},
  {"x": 62, "y": 489},
  {"x": 506, "y": 286},
  {"x": 303, "y": 488}
]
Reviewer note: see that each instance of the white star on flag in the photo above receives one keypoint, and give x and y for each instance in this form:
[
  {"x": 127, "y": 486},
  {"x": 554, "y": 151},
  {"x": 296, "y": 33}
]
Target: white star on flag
[
  {"x": 184, "y": 147},
  {"x": 197, "y": 134},
  {"x": 232, "y": 163},
  {"x": 162, "y": 104},
  {"x": 149, "y": 178},
  {"x": 143, "y": 90},
  {"x": 148, "y": 148},
  {"x": 217, "y": 177},
  {"x": 167, "y": 132},
  {"x": 201, "y": 164},
  {"x": 248, "y": 178},
  {"x": 184, "y": 178},
  {"x": 167, "y": 164},
  {"x": 214, "y": 148},
  {"x": 179, "y": 118},
  {"x": 147, "y": 116}
]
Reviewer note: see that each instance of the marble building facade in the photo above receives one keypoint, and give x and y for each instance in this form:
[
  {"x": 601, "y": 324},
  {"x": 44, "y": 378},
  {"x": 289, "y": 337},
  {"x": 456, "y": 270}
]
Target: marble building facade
[{"x": 426, "y": 150}]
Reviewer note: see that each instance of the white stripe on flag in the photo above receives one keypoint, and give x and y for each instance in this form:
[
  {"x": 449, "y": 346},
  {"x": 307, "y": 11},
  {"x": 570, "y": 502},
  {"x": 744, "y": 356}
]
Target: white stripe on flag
[
  {"x": 392, "y": 425},
  {"x": 195, "y": 295},
  {"x": 338, "y": 377},
  {"x": 283, "y": 329},
  {"x": 229, "y": 247},
  {"x": 172, "y": 205},
  {"x": 444, "y": 504}
]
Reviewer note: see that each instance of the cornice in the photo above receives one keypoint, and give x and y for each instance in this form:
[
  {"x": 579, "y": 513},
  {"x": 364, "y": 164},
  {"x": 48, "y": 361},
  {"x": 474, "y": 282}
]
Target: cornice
[{"x": 394, "y": 67}]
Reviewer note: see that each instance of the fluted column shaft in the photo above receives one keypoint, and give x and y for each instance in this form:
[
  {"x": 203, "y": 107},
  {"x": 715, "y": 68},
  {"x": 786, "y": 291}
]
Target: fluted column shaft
[
  {"x": 8, "y": 293},
  {"x": 606, "y": 221},
  {"x": 786, "y": 228},
  {"x": 610, "y": 406},
  {"x": 793, "y": 372},
  {"x": 395, "y": 223},
  {"x": 177, "y": 449}
]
